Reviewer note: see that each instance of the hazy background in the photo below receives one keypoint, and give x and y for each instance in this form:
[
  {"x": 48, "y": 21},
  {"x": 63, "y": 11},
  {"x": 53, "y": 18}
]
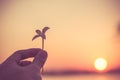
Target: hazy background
[{"x": 81, "y": 31}]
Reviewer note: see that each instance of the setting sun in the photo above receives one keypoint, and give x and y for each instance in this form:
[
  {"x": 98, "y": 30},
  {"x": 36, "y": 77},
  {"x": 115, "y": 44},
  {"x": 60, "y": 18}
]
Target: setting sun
[{"x": 100, "y": 64}]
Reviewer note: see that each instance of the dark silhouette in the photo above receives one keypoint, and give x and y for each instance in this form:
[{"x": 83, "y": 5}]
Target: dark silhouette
[
  {"x": 78, "y": 72},
  {"x": 115, "y": 71},
  {"x": 66, "y": 72},
  {"x": 41, "y": 34},
  {"x": 16, "y": 68}
]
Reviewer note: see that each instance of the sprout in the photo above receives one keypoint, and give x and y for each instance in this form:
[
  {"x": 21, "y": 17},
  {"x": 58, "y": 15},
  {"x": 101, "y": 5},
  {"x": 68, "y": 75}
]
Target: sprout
[{"x": 41, "y": 34}]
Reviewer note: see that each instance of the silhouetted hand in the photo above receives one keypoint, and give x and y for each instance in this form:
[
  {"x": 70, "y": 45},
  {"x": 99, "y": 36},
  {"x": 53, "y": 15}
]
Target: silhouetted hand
[{"x": 16, "y": 69}]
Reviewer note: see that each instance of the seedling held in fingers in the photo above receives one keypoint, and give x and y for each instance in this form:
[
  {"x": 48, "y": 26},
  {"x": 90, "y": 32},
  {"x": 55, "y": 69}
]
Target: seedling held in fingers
[{"x": 42, "y": 35}]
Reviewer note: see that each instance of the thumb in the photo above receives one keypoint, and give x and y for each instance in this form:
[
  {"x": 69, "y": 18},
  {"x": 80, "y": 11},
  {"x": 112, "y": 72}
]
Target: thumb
[{"x": 40, "y": 58}]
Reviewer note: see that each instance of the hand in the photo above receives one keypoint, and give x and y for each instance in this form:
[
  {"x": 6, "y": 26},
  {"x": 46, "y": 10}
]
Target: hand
[{"x": 14, "y": 68}]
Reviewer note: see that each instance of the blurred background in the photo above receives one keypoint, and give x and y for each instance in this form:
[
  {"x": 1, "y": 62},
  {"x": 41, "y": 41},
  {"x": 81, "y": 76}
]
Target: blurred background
[{"x": 81, "y": 32}]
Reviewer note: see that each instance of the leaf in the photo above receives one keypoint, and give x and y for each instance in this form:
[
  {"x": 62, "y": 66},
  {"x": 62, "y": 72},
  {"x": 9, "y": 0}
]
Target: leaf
[
  {"x": 45, "y": 29},
  {"x": 36, "y": 36},
  {"x": 38, "y": 32}
]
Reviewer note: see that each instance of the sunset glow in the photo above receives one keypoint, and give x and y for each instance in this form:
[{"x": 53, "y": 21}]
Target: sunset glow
[{"x": 80, "y": 31}]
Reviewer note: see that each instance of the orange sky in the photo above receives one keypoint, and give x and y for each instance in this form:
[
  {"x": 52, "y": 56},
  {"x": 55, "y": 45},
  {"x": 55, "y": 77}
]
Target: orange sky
[{"x": 81, "y": 31}]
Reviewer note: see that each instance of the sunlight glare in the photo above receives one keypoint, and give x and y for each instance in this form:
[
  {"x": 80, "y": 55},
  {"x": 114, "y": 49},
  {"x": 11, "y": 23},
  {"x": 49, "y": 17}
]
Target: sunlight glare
[{"x": 100, "y": 64}]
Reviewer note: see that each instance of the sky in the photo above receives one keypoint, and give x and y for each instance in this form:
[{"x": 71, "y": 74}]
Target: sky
[{"x": 80, "y": 31}]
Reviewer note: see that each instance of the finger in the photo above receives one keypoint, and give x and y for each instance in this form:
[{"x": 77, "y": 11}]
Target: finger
[
  {"x": 28, "y": 53},
  {"x": 23, "y": 54},
  {"x": 24, "y": 63},
  {"x": 40, "y": 58}
]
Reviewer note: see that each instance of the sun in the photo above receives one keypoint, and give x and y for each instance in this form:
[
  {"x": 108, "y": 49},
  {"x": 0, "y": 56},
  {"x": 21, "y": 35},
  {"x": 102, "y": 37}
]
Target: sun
[{"x": 100, "y": 64}]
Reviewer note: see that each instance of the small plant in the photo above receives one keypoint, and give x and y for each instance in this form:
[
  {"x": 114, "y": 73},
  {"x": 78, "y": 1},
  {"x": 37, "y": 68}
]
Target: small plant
[{"x": 41, "y": 34}]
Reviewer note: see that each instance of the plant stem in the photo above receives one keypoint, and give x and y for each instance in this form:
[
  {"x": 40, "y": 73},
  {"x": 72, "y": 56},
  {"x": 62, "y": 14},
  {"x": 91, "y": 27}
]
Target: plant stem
[
  {"x": 42, "y": 44},
  {"x": 42, "y": 49}
]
